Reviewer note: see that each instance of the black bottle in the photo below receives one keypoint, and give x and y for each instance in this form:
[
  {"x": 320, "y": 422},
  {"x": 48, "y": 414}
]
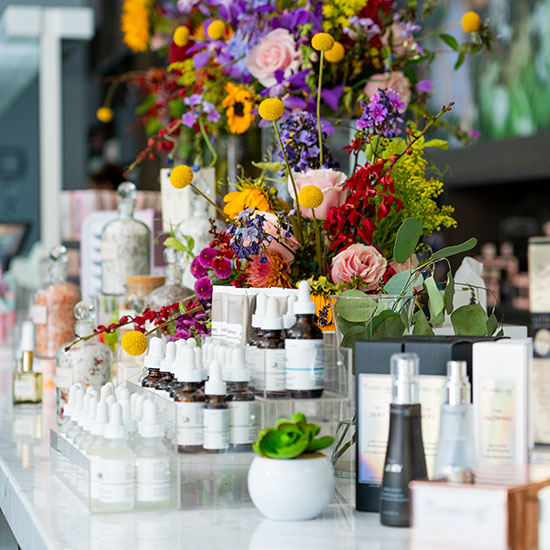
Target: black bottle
[{"x": 405, "y": 458}]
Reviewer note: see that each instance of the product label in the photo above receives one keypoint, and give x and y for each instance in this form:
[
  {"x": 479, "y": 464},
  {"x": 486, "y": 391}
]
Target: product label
[
  {"x": 274, "y": 370},
  {"x": 25, "y": 388},
  {"x": 216, "y": 429},
  {"x": 257, "y": 362},
  {"x": 39, "y": 315},
  {"x": 541, "y": 400},
  {"x": 498, "y": 429},
  {"x": 94, "y": 477},
  {"x": 243, "y": 413},
  {"x": 121, "y": 493},
  {"x": 116, "y": 481},
  {"x": 153, "y": 492},
  {"x": 108, "y": 251},
  {"x": 243, "y": 435},
  {"x": 64, "y": 377},
  {"x": 305, "y": 364},
  {"x": 153, "y": 470},
  {"x": 250, "y": 357},
  {"x": 190, "y": 421}
]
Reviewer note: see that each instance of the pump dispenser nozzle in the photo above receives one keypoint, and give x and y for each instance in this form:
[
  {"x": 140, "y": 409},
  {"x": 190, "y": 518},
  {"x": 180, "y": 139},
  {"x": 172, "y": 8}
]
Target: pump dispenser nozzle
[
  {"x": 304, "y": 305},
  {"x": 215, "y": 385},
  {"x": 457, "y": 385},
  {"x": 404, "y": 371},
  {"x": 261, "y": 304}
]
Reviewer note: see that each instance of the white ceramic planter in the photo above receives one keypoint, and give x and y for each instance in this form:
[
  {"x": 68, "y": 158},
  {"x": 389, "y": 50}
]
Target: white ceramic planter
[{"x": 291, "y": 490}]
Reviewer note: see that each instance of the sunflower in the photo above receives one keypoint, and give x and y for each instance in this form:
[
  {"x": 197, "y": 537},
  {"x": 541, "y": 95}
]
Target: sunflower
[
  {"x": 267, "y": 271},
  {"x": 238, "y": 106},
  {"x": 135, "y": 24}
]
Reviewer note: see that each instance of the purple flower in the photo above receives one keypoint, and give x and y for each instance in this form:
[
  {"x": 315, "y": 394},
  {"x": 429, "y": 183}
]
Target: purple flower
[
  {"x": 378, "y": 112},
  {"x": 188, "y": 119},
  {"x": 197, "y": 269},
  {"x": 475, "y": 133},
  {"x": 381, "y": 116},
  {"x": 222, "y": 267},
  {"x": 206, "y": 256},
  {"x": 424, "y": 85},
  {"x": 203, "y": 288}
]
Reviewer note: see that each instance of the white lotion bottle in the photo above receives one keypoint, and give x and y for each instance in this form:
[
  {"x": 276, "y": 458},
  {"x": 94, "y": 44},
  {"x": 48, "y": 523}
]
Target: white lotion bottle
[{"x": 153, "y": 457}]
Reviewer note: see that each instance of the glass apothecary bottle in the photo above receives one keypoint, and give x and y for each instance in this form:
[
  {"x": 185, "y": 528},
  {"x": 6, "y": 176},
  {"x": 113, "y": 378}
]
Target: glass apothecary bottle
[
  {"x": 125, "y": 245},
  {"x": 88, "y": 362},
  {"x": 172, "y": 291},
  {"x": 53, "y": 307}
]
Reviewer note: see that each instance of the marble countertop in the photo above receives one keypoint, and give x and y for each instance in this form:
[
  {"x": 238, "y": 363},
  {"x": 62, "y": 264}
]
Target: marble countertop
[{"x": 216, "y": 510}]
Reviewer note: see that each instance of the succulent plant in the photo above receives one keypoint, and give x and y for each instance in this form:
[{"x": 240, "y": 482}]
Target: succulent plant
[{"x": 290, "y": 438}]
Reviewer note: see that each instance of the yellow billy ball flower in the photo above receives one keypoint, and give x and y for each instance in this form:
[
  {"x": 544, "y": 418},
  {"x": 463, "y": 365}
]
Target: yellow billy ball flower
[
  {"x": 181, "y": 36},
  {"x": 322, "y": 42},
  {"x": 470, "y": 21},
  {"x": 336, "y": 53},
  {"x": 216, "y": 29},
  {"x": 271, "y": 108},
  {"x": 134, "y": 343},
  {"x": 104, "y": 114},
  {"x": 181, "y": 176},
  {"x": 310, "y": 196}
]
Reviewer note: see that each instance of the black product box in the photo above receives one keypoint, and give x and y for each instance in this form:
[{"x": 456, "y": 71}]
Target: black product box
[{"x": 373, "y": 397}]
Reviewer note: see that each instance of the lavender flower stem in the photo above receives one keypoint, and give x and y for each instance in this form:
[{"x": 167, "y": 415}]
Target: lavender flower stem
[{"x": 321, "y": 59}]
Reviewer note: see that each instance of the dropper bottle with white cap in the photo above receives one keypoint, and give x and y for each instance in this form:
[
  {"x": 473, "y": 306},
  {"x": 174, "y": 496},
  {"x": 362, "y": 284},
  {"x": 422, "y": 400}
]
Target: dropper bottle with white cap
[
  {"x": 67, "y": 423},
  {"x": 289, "y": 318},
  {"x": 77, "y": 413},
  {"x": 190, "y": 402},
  {"x": 166, "y": 366},
  {"x": 153, "y": 459},
  {"x": 92, "y": 446},
  {"x": 243, "y": 423},
  {"x": 252, "y": 357},
  {"x": 117, "y": 469},
  {"x": 154, "y": 356},
  {"x": 304, "y": 346},
  {"x": 87, "y": 419},
  {"x": 269, "y": 374},
  {"x": 216, "y": 412}
]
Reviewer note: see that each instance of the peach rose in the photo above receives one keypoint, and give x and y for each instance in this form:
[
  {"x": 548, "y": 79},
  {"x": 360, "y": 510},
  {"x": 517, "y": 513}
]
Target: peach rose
[
  {"x": 359, "y": 260},
  {"x": 275, "y": 51},
  {"x": 396, "y": 81},
  {"x": 284, "y": 246},
  {"x": 329, "y": 181}
]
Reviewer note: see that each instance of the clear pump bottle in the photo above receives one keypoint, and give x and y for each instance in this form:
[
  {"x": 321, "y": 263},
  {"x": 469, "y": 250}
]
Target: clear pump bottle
[
  {"x": 125, "y": 245},
  {"x": 456, "y": 452},
  {"x": 304, "y": 347},
  {"x": 216, "y": 412},
  {"x": 405, "y": 459},
  {"x": 53, "y": 305}
]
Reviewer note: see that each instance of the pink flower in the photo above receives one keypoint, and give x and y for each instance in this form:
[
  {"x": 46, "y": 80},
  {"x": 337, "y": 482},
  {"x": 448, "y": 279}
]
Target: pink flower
[
  {"x": 331, "y": 184},
  {"x": 396, "y": 81},
  {"x": 359, "y": 260},
  {"x": 276, "y": 51},
  {"x": 284, "y": 243},
  {"x": 404, "y": 266}
]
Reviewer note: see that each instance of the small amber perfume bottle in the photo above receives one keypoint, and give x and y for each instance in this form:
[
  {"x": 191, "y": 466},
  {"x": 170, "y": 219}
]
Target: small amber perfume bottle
[{"x": 27, "y": 384}]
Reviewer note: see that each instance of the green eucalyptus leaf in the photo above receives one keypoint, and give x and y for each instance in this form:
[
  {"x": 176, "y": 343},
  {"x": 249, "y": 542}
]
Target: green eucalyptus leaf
[
  {"x": 376, "y": 321},
  {"x": 437, "y": 143},
  {"x": 344, "y": 326},
  {"x": 356, "y": 333},
  {"x": 391, "y": 327},
  {"x": 449, "y": 40},
  {"x": 421, "y": 325},
  {"x": 449, "y": 251},
  {"x": 356, "y": 310},
  {"x": 492, "y": 324},
  {"x": 269, "y": 166},
  {"x": 320, "y": 443},
  {"x": 435, "y": 300},
  {"x": 407, "y": 239},
  {"x": 470, "y": 320},
  {"x": 460, "y": 60},
  {"x": 449, "y": 295},
  {"x": 401, "y": 283},
  {"x": 174, "y": 243}
]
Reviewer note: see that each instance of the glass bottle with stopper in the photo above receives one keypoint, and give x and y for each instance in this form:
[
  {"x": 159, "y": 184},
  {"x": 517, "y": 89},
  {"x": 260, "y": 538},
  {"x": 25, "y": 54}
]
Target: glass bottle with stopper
[
  {"x": 172, "y": 291},
  {"x": 125, "y": 245},
  {"x": 27, "y": 384},
  {"x": 53, "y": 305},
  {"x": 87, "y": 362}
]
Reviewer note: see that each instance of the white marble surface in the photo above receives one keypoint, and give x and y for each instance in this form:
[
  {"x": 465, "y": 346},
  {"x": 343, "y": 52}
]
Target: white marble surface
[{"x": 216, "y": 510}]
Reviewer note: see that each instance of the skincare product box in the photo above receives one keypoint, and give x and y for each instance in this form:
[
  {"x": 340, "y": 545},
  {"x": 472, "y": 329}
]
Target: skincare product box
[
  {"x": 501, "y": 397},
  {"x": 498, "y": 511},
  {"x": 373, "y": 397},
  {"x": 539, "y": 306}
]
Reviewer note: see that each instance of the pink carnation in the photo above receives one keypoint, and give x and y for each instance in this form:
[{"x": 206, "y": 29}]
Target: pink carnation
[
  {"x": 276, "y": 51},
  {"x": 359, "y": 260},
  {"x": 395, "y": 81},
  {"x": 329, "y": 181}
]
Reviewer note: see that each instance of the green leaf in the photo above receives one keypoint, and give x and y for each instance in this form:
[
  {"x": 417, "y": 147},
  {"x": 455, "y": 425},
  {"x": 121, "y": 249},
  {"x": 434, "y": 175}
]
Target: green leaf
[
  {"x": 449, "y": 251},
  {"x": 407, "y": 239},
  {"x": 400, "y": 283},
  {"x": 358, "y": 332},
  {"x": 149, "y": 101},
  {"x": 449, "y": 295},
  {"x": 391, "y": 327},
  {"x": 269, "y": 166},
  {"x": 172, "y": 242},
  {"x": 437, "y": 143},
  {"x": 320, "y": 443},
  {"x": 492, "y": 324},
  {"x": 470, "y": 320},
  {"x": 435, "y": 300},
  {"x": 359, "y": 308},
  {"x": 460, "y": 60},
  {"x": 449, "y": 40},
  {"x": 421, "y": 325}
]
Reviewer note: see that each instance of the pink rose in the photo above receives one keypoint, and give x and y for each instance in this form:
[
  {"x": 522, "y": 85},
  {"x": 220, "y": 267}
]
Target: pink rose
[
  {"x": 396, "y": 81},
  {"x": 331, "y": 184},
  {"x": 275, "y": 51},
  {"x": 406, "y": 265},
  {"x": 361, "y": 260},
  {"x": 284, "y": 246},
  {"x": 401, "y": 45}
]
